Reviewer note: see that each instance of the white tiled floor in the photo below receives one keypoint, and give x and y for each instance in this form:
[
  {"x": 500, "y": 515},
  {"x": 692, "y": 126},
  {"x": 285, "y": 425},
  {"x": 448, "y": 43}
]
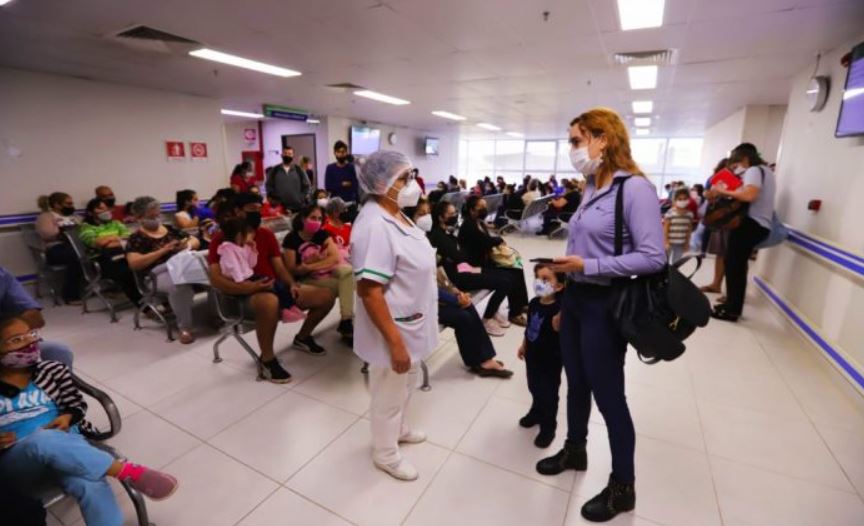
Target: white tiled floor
[{"x": 750, "y": 427}]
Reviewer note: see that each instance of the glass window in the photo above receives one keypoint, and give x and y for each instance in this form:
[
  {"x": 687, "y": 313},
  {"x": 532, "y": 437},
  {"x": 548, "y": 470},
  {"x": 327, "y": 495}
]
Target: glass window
[
  {"x": 649, "y": 154},
  {"x": 684, "y": 156},
  {"x": 540, "y": 156},
  {"x": 481, "y": 158},
  {"x": 563, "y": 160},
  {"x": 462, "y": 168},
  {"x": 509, "y": 155}
]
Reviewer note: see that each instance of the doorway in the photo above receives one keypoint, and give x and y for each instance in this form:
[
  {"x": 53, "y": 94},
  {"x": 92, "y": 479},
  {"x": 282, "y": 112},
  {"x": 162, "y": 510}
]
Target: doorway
[{"x": 304, "y": 146}]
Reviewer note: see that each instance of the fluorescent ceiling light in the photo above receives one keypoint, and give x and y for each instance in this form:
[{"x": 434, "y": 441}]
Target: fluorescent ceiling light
[
  {"x": 4, "y": 2},
  {"x": 642, "y": 77},
  {"x": 380, "y": 97},
  {"x": 448, "y": 115},
  {"x": 235, "y": 113},
  {"x": 642, "y": 121},
  {"x": 516, "y": 134},
  {"x": 487, "y": 126},
  {"x": 311, "y": 120},
  {"x": 240, "y": 62},
  {"x": 642, "y": 131},
  {"x": 643, "y": 106},
  {"x": 639, "y": 14}
]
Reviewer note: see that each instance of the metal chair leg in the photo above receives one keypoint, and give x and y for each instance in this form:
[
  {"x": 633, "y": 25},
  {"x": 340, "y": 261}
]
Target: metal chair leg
[
  {"x": 140, "y": 505},
  {"x": 365, "y": 368},
  {"x": 425, "y": 371},
  {"x": 217, "y": 358}
]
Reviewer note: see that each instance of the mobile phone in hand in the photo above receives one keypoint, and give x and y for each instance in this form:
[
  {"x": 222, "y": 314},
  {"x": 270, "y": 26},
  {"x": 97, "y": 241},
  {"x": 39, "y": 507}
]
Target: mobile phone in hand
[{"x": 547, "y": 261}]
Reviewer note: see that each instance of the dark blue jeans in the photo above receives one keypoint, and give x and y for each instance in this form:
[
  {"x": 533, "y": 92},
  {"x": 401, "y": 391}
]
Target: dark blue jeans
[
  {"x": 592, "y": 351},
  {"x": 474, "y": 344},
  {"x": 543, "y": 370}
]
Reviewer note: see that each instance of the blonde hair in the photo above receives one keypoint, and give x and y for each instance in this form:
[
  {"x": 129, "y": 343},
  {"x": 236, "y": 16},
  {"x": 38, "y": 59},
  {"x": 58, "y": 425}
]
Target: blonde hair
[
  {"x": 608, "y": 124},
  {"x": 47, "y": 202}
]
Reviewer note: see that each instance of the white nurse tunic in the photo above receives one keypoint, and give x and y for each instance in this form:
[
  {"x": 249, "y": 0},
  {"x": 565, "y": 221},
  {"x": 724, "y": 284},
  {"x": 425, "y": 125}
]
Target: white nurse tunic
[{"x": 399, "y": 257}]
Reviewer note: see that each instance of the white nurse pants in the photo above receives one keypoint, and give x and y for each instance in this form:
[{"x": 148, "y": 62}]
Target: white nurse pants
[{"x": 391, "y": 393}]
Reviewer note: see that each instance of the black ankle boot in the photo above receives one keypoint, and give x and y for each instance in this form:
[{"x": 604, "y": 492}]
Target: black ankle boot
[
  {"x": 529, "y": 420},
  {"x": 545, "y": 437},
  {"x": 573, "y": 456},
  {"x": 614, "y": 499}
]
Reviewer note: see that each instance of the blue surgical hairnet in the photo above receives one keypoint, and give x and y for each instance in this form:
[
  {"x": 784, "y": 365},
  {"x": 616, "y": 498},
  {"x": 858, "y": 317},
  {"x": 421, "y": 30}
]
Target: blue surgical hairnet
[{"x": 381, "y": 169}]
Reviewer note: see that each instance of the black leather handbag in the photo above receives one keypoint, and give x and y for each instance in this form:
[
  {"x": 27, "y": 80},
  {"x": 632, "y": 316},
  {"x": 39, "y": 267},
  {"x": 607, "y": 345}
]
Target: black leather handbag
[{"x": 657, "y": 312}]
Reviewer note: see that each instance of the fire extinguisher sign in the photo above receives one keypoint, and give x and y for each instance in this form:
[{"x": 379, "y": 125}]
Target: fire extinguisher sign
[{"x": 175, "y": 150}]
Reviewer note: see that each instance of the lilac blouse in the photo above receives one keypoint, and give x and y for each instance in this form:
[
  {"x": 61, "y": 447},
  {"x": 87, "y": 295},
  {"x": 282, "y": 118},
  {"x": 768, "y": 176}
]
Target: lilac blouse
[{"x": 592, "y": 232}]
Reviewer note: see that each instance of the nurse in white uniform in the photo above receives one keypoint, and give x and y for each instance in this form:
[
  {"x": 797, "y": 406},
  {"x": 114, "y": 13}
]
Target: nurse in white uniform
[{"x": 396, "y": 321}]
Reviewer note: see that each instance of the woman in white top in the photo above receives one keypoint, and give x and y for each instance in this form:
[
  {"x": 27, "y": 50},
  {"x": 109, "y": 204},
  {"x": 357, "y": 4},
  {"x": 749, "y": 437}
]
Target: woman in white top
[
  {"x": 58, "y": 213},
  {"x": 396, "y": 321},
  {"x": 533, "y": 192}
]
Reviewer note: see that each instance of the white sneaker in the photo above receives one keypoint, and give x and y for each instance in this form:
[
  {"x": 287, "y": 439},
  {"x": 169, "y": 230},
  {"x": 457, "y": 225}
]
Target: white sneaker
[
  {"x": 413, "y": 437},
  {"x": 402, "y": 470},
  {"x": 492, "y": 327},
  {"x": 502, "y": 320}
]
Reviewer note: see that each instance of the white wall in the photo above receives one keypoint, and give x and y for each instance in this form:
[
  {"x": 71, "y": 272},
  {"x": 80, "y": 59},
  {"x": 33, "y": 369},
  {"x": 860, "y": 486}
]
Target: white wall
[
  {"x": 409, "y": 141},
  {"x": 236, "y": 143},
  {"x": 720, "y": 138},
  {"x": 274, "y": 129},
  {"x": 72, "y": 135},
  {"x": 815, "y": 165}
]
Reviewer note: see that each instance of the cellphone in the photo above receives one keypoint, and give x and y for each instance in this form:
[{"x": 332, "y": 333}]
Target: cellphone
[{"x": 541, "y": 260}]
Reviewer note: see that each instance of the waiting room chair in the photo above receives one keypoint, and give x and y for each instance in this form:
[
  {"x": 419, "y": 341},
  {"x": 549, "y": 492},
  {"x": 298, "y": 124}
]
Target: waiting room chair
[
  {"x": 47, "y": 276},
  {"x": 55, "y": 495},
  {"x": 457, "y": 199},
  {"x": 562, "y": 226},
  {"x": 95, "y": 286},
  {"x": 535, "y": 208},
  {"x": 151, "y": 300}
]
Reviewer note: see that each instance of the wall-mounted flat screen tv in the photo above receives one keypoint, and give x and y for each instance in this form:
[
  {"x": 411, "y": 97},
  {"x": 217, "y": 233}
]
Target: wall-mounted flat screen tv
[
  {"x": 364, "y": 140},
  {"x": 851, "y": 119},
  {"x": 431, "y": 146}
]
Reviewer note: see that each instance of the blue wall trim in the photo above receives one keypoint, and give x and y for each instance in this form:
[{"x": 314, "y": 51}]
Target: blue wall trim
[
  {"x": 835, "y": 356},
  {"x": 842, "y": 258},
  {"x": 24, "y": 219}
]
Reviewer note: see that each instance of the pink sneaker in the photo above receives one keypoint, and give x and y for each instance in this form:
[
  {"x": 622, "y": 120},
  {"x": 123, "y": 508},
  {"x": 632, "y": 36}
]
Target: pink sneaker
[
  {"x": 292, "y": 315},
  {"x": 149, "y": 482}
]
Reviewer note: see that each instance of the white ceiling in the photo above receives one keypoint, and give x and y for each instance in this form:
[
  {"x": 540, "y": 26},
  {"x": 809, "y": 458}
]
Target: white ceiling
[{"x": 490, "y": 60}]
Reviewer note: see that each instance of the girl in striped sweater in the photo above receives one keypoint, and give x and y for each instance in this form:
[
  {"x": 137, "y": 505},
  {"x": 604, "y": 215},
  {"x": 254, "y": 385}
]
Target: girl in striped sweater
[{"x": 41, "y": 426}]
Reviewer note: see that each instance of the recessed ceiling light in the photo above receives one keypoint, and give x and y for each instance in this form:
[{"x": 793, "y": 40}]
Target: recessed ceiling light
[
  {"x": 639, "y": 14},
  {"x": 642, "y": 77},
  {"x": 643, "y": 106},
  {"x": 240, "y": 62},
  {"x": 487, "y": 126},
  {"x": 643, "y": 131},
  {"x": 246, "y": 114},
  {"x": 516, "y": 134},
  {"x": 448, "y": 115},
  {"x": 642, "y": 121},
  {"x": 380, "y": 97}
]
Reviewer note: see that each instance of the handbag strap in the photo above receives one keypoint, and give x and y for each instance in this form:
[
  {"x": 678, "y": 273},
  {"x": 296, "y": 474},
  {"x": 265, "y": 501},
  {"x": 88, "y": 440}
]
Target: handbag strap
[{"x": 619, "y": 215}]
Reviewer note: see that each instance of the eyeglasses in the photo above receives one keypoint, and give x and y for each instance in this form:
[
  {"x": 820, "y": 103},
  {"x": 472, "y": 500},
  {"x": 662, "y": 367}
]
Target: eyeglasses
[{"x": 21, "y": 339}]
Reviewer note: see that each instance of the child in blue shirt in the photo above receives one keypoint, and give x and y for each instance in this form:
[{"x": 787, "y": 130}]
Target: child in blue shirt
[
  {"x": 41, "y": 426},
  {"x": 541, "y": 351}
]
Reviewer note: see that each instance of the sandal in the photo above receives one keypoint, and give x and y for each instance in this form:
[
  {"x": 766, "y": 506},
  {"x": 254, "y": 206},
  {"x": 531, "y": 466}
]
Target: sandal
[{"x": 711, "y": 289}]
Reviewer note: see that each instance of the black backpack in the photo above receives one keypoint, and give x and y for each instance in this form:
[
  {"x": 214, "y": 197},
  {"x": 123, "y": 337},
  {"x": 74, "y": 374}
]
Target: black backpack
[{"x": 657, "y": 312}]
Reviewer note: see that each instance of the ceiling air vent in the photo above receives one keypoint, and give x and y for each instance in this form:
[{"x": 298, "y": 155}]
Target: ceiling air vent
[
  {"x": 659, "y": 57},
  {"x": 344, "y": 87},
  {"x": 145, "y": 38}
]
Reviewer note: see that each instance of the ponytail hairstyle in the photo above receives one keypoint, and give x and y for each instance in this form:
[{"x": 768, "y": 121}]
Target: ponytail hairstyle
[
  {"x": 46, "y": 203},
  {"x": 604, "y": 122}
]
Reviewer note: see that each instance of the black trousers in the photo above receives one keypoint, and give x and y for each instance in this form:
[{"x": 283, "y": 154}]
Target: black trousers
[
  {"x": 63, "y": 254},
  {"x": 543, "y": 369},
  {"x": 517, "y": 297},
  {"x": 118, "y": 271},
  {"x": 592, "y": 351},
  {"x": 497, "y": 283},
  {"x": 742, "y": 241},
  {"x": 474, "y": 344}
]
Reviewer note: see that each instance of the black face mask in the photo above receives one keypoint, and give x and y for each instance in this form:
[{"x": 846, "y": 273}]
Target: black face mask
[
  {"x": 482, "y": 213},
  {"x": 253, "y": 219},
  {"x": 342, "y": 160},
  {"x": 67, "y": 210},
  {"x": 345, "y": 217},
  {"x": 451, "y": 221},
  {"x": 287, "y": 159},
  {"x": 110, "y": 202}
]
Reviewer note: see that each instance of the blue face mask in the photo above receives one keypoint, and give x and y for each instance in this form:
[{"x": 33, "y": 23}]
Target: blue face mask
[{"x": 543, "y": 288}]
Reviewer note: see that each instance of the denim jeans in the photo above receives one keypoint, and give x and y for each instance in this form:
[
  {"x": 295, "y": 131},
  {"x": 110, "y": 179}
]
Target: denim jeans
[{"x": 51, "y": 457}]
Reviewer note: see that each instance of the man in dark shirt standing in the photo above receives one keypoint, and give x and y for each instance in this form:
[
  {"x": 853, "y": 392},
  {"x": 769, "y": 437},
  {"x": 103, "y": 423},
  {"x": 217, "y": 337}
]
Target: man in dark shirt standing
[
  {"x": 340, "y": 178},
  {"x": 288, "y": 182}
]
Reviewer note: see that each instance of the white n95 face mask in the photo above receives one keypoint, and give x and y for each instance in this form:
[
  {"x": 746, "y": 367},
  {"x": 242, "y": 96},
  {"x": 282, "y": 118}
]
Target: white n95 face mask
[
  {"x": 739, "y": 170},
  {"x": 582, "y": 162},
  {"x": 425, "y": 223},
  {"x": 409, "y": 195}
]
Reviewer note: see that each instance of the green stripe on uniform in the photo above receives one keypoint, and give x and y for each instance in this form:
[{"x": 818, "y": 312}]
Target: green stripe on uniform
[{"x": 374, "y": 272}]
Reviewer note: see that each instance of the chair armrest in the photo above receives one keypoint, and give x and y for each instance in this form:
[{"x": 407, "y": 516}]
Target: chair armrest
[{"x": 107, "y": 404}]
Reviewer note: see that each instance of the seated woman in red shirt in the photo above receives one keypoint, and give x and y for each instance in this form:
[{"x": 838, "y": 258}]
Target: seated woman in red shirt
[
  {"x": 242, "y": 177},
  {"x": 336, "y": 222}
]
